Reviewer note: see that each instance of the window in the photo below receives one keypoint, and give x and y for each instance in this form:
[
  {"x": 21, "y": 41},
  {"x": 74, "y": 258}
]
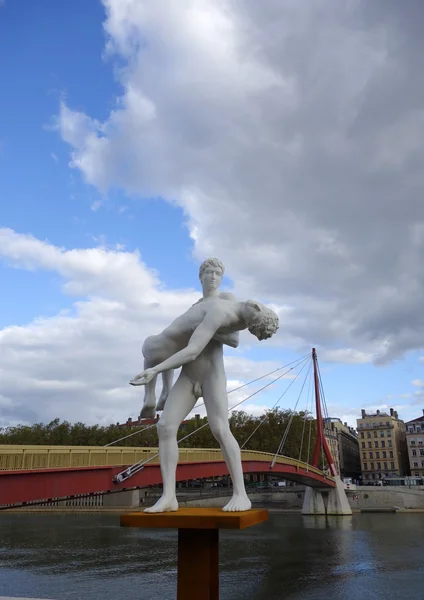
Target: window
[
  {"x": 374, "y": 424},
  {"x": 420, "y": 441},
  {"x": 383, "y": 444},
  {"x": 371, "y": 455},
  {"x": 378, "y": 466},
  {"x": 362, "y": 435},
  {"x": 417, "y": 474},
  {"x": 376, "y": 444},
  {"x": 367, "y": 425},
  {"x": 361, "y": 425},
  {"x": 388, "y": 423},
  {"x": 412, "y": 442},
  {"x": 422, "y": 463},
  {"x": 368, "y": 434},
  {"x": 411, "y": 430},
  {"x": 384, "y": 454},
  {"x": 372, "y": 466},
  {"x": 364, "y": 455},
  {"x": 365, "y": 467},
  {"x": 390, "y": 454},
  {"x": 415, "y": 464},
  {"x": 375, "y": 433},
  {"x": 377, "y": 455},
  {"x": 385, "y": 466},
  {"x": 390, "y": 443},
  {"x": 392, "y": 465},
  {"x": 418, "y": 428},
  {"x": 381, "y": 433},
  {"x": 369, "y": 444},
  {"x": 363, "y": 444},
  {"x": 414, "y": 453},
  {"x": 421, "y": 452},
  {"x": 389, "y": 433}
]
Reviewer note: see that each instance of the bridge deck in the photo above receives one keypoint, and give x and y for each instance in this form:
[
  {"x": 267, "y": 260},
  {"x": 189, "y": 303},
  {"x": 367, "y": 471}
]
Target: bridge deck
[
  {"x": 35, "y": 473},
  {"x": 17, "y": 457}
]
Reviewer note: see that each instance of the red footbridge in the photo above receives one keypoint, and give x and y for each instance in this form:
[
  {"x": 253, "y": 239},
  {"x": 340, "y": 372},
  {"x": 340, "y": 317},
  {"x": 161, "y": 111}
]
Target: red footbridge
[
  {"x": 30, "y": 474},
  {"x": 40, "y": 474}
]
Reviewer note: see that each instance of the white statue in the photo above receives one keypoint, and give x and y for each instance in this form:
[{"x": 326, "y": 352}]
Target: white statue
[
  {"x": 193, "y": 342},
  {"x": 210, "y": 274}
]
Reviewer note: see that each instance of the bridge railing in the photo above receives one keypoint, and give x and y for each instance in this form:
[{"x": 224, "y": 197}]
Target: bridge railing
[{"x": 17, "y": 457}]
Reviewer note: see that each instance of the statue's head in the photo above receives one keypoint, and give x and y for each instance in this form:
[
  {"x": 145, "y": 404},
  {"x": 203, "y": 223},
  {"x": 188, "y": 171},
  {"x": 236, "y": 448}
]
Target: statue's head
[
  {"x": 261, "y": 321},
  {"x": 211, "y": 273}
]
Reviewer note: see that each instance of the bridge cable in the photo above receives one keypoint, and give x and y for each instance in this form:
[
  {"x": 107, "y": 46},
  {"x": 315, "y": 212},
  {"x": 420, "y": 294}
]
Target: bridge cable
[
  {"x": 130, "y": 435},
  {"x": 324, "y": 405},
  {"x": 305, "y": 415},
  {"x": 202, "y": 403},
  {"x": 139, "y": 465},
  {"x": 308, "y": 462},
  {"x": 279, "y": 399},
  {"x": 285, "y": 434}
]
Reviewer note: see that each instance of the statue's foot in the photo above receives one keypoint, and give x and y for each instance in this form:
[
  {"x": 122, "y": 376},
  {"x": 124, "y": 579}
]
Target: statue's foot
[
  {"x": 238, "y": 503},
  {"x": 148, "y": 412},
  {"x": 162, "y": 400},
  {"x": 164, "y": 504}
]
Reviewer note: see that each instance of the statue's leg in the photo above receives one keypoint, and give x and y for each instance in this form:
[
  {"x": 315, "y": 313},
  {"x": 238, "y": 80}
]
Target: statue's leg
[
  {"x": 180, "y": 402},
  {"x": 151, "y": 359},
  {"x": 167, "y": 381},
  {"x": 148, "y": 410},
  {"x": 216, "y": 402}
]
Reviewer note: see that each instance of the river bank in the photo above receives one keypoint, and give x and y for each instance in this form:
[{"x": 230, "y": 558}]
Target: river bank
[{"x": 363, "y": 499}]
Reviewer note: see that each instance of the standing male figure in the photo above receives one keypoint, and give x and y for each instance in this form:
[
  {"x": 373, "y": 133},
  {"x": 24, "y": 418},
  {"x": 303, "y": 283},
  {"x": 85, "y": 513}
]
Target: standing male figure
[
  {"x": 202, "y": 373},
  {"x": 211, "y": 273}
]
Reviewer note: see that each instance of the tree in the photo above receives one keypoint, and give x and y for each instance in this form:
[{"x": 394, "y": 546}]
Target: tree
[{"x": 263, "y": 433}]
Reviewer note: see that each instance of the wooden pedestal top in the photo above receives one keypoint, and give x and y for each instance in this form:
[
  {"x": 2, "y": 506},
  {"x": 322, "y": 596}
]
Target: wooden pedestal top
[{"x": 195, "y": 518}]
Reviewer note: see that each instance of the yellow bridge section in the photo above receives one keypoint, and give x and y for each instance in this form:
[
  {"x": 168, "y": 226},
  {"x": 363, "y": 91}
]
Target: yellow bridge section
[{"x": 14, "y": 457}]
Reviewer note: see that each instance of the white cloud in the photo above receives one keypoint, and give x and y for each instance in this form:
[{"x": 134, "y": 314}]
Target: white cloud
[
  {"x": 289, "y": 133},
  {"x": 77, "y": 364}
]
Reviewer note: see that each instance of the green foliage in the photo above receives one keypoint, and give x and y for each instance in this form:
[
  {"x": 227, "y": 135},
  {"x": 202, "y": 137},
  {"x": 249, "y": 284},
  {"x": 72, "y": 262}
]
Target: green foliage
[
  {"x": 76, "y": 434},
  {"x": 263, "y": 433}
]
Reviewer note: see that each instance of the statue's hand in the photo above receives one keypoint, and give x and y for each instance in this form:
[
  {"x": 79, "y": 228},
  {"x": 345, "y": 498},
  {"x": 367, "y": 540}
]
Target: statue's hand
[{"x": 144, "y": 377}]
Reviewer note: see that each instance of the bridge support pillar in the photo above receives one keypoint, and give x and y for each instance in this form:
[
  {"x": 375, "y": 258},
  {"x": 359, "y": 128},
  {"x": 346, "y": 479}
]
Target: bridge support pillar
[
  {"x": 313, "y": 502},
  {"x": 337, "y": 503},
  {"x": 331, "y": 502}
]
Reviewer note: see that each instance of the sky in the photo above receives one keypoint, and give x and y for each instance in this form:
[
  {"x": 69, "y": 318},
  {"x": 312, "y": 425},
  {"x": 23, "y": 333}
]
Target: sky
[{"x": 138, "y": 138}]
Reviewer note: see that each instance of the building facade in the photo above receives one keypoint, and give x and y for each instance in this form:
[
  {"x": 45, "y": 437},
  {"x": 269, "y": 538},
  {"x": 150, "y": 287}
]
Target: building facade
[
  {"x": 333, "y": 445},
  {"x": 415, "y": 445},
  {"x": 382, "y": 444},
  {"x": 344, "y": 446}
]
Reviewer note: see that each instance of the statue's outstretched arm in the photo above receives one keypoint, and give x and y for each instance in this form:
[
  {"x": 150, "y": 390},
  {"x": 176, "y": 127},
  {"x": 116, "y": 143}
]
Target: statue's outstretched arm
[{"x": 202, "y": 335}]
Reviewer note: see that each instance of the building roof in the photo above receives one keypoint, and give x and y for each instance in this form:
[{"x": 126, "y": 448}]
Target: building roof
[{"x": 418, "y": 420}]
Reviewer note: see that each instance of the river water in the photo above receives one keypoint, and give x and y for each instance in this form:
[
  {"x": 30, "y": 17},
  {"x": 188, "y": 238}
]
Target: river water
[{"x": 290, "y": 557}]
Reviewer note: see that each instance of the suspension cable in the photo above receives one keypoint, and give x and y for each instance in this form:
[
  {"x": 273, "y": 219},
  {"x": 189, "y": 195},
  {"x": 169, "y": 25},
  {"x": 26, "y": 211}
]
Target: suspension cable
[
  {"x": 286, "y": 433},
  {"x": 324, "y": 403},
  {"x": 279, "y": 399},
  {"x": 138, "y": 466},
  {"x": 202, "y": 403},
  {"x": 308, "y": 462},
  {"x": 304, "y": 416},
  {"x": 130, "y": 435},
  {"x": 311, "y": 402}
]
